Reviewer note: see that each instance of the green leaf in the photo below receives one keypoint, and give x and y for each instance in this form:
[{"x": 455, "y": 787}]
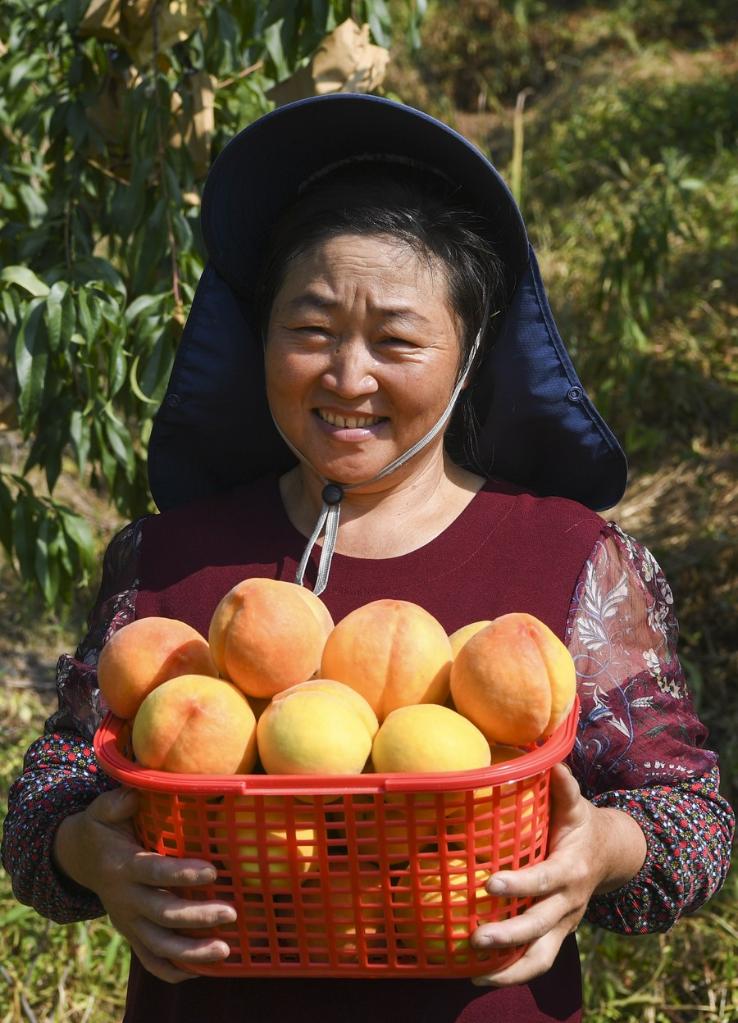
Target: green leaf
[
  {"x": 24, "y": 536},
  {"x": 25, "y": 278},
  {"x": 78, "y": 530},
  {"x": 90, "y": 269},
  {"x": 157, "y": 368},
  {"x": 46, "y": 568},
  {"x": 143, "y": 304},
  {"x": 120, "y": 443},
  {"x": 380, "y": 22},
  {"x": 53, "y": 313},
  {"x": 116, "y": 364},
  {"x": 31, "y": 358},
  {"x": 84, "y": 317},
  {"x": 9, "y": 309},
  {"x": 6, "y": 518},
  {"x": 135, "y": 386},
  {"x": 107, "y": 460},
  {"x": 79, "y": 432},
  {"x": 275, "y": 49},
  {"x": 21, "y": 69},
  {"x": 77, "y": 124},
  {"x": 34, "y": 203}
]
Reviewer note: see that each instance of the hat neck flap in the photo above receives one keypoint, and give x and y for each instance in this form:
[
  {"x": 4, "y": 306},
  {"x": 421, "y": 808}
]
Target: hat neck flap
[{"x": 538, "y": 428}]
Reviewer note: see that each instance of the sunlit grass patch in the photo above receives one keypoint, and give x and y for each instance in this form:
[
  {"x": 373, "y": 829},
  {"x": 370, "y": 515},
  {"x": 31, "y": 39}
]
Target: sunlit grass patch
[{"x": 685, "y": 975}]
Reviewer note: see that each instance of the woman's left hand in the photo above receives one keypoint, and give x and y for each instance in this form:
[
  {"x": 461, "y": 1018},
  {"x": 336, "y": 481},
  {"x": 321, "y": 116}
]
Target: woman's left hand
[{"x": 581, "y": 845}]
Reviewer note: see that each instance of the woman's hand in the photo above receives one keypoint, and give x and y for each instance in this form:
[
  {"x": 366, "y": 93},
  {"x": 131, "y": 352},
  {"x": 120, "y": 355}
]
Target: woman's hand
[
  {"x": 98, "y": 850},
  {"x": 592, "y": 850}
]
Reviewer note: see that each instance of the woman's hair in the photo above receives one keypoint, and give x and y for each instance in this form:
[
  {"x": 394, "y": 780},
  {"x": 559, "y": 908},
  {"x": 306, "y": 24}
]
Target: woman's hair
[{"x": 415, "y": 206}]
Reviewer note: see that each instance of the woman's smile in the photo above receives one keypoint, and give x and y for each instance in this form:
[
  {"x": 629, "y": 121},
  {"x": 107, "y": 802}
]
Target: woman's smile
[
  {"x": 349, "y": 427},
  {"x": 362, "y": 354}
]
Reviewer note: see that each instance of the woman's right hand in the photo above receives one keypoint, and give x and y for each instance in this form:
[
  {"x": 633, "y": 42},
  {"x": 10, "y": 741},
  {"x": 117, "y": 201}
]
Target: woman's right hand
[{"x": 97, "y": 848}]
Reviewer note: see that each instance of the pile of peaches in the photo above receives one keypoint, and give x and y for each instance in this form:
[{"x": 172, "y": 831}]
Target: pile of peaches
[{"x": 278, "y": 687}]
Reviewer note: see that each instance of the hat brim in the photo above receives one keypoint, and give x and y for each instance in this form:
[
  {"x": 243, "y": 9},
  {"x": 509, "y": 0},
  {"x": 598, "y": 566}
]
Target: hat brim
[{"x": 261, "y": 169}]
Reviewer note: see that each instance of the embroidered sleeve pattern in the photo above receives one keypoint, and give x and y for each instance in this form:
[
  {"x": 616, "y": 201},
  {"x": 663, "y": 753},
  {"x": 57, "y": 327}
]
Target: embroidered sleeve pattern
[
  {"x": 60, "y": 773},
  {"x": 639, "y": 742}
]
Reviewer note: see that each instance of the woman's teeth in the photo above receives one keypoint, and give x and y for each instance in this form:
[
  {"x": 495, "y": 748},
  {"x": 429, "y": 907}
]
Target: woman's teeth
[{"x": 350, "y": 422}]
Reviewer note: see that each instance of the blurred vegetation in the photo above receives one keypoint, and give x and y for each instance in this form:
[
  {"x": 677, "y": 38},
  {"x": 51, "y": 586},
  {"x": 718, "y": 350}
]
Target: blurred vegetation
[
  {"x": 110, "y": 113},
  {"x": 615, "y": 122}
]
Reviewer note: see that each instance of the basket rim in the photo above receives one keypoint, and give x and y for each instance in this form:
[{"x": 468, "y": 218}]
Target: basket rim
[{"x": 117, "y": 766}]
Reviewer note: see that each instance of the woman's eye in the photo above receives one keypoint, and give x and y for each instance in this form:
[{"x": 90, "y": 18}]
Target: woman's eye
[
  {"x": 313, "y": 331},
  {"x": 400, "y": 342}
]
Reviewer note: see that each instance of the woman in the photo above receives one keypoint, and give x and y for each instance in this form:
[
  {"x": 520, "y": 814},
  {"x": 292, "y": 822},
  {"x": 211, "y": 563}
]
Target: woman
[{"x": 369, "y": 344}]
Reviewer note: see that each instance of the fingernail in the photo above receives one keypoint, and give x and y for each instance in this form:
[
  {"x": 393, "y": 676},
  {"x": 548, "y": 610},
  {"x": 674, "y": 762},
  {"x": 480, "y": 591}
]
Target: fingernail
[
  {"x": 496, "y": 885},
  {"x": 207, "y": 875},
  {"x": 227, "y": 916}
]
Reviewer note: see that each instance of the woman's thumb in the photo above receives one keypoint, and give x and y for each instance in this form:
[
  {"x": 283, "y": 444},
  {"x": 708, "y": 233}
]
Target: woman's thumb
[{"x": 117, "y": 805}]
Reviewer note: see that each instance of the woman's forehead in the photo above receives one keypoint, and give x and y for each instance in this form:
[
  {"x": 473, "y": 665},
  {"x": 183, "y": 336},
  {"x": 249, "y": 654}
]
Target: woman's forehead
[{"x": 395, "y": 272}]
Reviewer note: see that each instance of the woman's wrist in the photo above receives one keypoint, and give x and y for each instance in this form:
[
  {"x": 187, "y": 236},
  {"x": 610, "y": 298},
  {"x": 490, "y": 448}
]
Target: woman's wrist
[
  {"x": 67, "y": 846},
  {"x": 621, "y": 845}
]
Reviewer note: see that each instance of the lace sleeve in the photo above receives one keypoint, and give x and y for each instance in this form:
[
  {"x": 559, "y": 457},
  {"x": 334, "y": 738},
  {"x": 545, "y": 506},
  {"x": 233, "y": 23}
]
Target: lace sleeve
[
  {"x": 60, "y": 773},
  {"x": 639, "y": 746}
]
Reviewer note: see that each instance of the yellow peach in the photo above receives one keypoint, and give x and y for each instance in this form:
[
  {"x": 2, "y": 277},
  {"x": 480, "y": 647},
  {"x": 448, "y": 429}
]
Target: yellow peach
[
  {"x": 266, "y": 635},
  {"x": 143, "y": 654},
  {"x": 393, "y": 652},
  {"x": 195, "y": 724}
]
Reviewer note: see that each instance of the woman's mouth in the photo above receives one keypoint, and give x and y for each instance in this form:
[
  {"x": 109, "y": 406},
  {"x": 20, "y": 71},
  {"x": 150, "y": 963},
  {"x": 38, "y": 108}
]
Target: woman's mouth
[{"x": 349, "y": 422}]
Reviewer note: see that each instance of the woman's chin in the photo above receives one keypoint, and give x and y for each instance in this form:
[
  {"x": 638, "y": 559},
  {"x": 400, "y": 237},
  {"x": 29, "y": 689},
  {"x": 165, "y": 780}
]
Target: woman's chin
[{"x": 348, "y": 469}]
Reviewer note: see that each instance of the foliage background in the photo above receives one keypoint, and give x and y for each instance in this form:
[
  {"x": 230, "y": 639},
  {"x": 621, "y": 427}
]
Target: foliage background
[{"x": 615, "y": 122}]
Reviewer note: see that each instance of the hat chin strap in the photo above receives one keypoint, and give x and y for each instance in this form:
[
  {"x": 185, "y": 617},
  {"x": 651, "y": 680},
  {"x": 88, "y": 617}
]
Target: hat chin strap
[{"x": 333, "y": 492}]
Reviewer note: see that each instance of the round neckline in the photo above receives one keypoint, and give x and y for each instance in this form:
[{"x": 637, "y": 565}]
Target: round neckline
[{"x": 350, "y": 572}]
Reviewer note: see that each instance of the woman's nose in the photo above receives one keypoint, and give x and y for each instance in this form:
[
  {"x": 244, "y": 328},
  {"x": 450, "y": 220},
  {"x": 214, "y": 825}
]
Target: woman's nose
[{"x": 351, "y": 369}]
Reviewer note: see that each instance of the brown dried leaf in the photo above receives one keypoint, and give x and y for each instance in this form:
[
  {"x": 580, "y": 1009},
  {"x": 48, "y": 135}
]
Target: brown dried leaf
[
  {"x": 102, "y": 20},
  {"x": 175, "y": 22},
  {"x": 345, "y": 61}
]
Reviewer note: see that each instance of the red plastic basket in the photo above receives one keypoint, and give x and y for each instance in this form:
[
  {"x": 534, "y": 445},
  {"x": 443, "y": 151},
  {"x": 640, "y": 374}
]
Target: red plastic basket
[{"x": 375, "y": 875}]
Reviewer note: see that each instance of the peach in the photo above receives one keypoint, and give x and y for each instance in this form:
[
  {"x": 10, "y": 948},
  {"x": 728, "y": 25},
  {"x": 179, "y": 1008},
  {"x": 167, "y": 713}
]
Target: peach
[
  {"x": 400, "y": 821},
  {"x": 195, "y": 724},
  {"x": 458, "y": 638},
  {"x": 468, "y": 904},
  {"x": 280, "y": 847},
  {"x": 145, "y": 653},
  {"x": 266, "y": 635},
  {"x": 504, "y": 807},
  {"x": 356, "y": 922},
  {"x": 340, "y": 691},
  {"x": 514, "y": 679},
  {"x": 393, "y": 652},
  {"x": 428, "y": 737},
  {"x": 313, "y": 731}
]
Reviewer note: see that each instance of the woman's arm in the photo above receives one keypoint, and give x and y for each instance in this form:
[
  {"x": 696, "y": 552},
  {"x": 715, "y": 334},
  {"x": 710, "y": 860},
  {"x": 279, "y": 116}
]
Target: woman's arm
[
  {"x": 639, "y": 832},
  {"x": 60, "y": 773},
  {"x": 639, "y": 743}
]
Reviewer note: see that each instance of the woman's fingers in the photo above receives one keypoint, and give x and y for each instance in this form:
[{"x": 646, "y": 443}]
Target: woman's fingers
[
  {"x": 167, "y": 910},
  {"x": 160, "y": 968},
  {"x": 160, "y": 950},
  {"x": 529, "y": 926},
  {"x": 150, "y": 868},
  {"x": 537, "y": 959},
  {"x": 168, "y": 944}
]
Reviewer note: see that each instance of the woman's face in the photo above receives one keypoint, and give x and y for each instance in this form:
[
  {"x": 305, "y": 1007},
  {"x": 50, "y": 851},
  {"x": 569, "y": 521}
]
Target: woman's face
[{"x": 363, "y": 351}]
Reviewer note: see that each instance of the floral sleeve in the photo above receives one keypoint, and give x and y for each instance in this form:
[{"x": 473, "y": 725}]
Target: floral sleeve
[
  {"x": 639, "y": 743},
  {"x": 60, "y": 773}
]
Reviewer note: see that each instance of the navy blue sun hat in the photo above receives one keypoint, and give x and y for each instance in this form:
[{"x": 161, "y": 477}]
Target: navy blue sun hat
[{"x": 214, "y": 431}]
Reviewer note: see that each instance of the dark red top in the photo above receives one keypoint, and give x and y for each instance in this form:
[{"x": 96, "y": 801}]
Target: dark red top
[{"x": 505, "y": 552}]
